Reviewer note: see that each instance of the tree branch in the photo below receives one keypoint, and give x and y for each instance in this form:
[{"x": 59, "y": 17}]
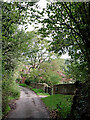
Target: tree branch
[{"x": 71, "y": 17}]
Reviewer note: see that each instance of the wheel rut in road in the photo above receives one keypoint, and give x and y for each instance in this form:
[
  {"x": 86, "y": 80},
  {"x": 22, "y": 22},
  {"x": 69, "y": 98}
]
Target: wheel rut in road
[{"x": 29, "y": 106}]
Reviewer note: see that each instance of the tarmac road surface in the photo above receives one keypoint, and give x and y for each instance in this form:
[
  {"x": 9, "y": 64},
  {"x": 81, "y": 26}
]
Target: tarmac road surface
[{"x": 29, "y": 106}]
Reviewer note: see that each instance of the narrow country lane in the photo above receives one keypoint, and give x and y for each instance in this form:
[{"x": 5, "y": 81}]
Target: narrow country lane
[{"x": 29, "y": 106}]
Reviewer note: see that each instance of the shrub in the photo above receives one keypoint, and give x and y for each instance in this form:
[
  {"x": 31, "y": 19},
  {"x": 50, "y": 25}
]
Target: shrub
[
  {"x": 9, "y": 88},
  {"x": 5, "y": 93},
  {"x": 81, "y": 102},
  {"x": 27, "y": 81},
  {"x": 18, "y": 79},
  {"x": 15, "y": 91}
]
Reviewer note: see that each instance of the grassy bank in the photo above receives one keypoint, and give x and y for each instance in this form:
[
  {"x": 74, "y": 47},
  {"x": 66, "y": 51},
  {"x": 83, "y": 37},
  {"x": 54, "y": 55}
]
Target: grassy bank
[
  {"x": 59, "y": 102},
  {"x": 23, "y": 85},
  {"x": 13, "y": 93},
  {"x": 40, "y": 92}
]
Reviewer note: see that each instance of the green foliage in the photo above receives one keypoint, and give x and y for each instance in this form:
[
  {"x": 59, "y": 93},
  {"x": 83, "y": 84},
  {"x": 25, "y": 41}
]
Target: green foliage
[
  {"x": 23, "y": 85},
  {"x": 9, "y": 88},
  {"x": 67, "y": 24},
  {"x": 34, "y": 75},
  {"x": 13, "y": 44},
  {"x": 18, "y": 79},
  {"x": 12, "y": 98},
  {"x": 36, "y": 51},
  {"x": 40, "y": 92},
  {"x": 59, "y": 102},
  {"x": 80, "y": 107},
  {"x": 47, "y": 72},
  {"x": 10, "y": 20},
  {"x": 7, "y": 109},
  {"x": 27, "y": 81},
  {"x": 43, "y": 94},
  {"x": 77, "y": 71},
  {"x": 36, "y": 90},
  {"x": 15, "y": 91},
  {"x": 30, "y": 87},
  {"x": 53, "y": 78}
]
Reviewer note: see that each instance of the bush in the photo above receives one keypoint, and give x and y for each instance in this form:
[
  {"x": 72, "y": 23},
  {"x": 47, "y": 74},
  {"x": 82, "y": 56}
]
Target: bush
[
  {"x": 27, "y": 81},
  {"x": 5, "y": 106},
  {"x": 81, "y": 102},
  {"x": 18, "y": 79},
  {"x": 9, "y": 88},
  {"x": 15, "y": 91},
  {"x": 5, "y": 93}
]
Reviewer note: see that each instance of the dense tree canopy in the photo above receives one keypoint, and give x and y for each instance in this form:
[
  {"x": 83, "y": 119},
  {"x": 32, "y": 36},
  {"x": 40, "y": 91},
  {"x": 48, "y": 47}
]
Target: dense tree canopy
[
  {"x": 13, "y": 14},
  {"x": 68, "y": 26},
  {"x": 47, "y": 72},
  {"x": 11, "y": 17}
]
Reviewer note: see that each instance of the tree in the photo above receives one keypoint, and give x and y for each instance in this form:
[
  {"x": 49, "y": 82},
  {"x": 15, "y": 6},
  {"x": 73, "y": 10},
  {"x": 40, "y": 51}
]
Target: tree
[
  {"x": 13, "y": 14},
  {"x": 36, "y": 51},
  {"x": 69, "y": 24},
  {"x": 47, "y": 72}
]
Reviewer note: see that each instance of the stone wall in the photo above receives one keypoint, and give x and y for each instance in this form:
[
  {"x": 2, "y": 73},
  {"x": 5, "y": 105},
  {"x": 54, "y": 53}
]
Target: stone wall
[
  {"x": 42, "y": 86},
  {"x": 39, "y": 85},
  {"x": 68, "y": 89}
]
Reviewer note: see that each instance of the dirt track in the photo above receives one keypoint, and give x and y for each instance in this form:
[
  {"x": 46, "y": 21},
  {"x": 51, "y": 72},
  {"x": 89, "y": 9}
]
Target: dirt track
[{"x": 29, "y": 106}]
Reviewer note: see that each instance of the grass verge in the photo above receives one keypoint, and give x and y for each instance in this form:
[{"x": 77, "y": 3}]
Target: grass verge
[
  {"x": 40, "y": 92},
  {"x": 23, "y": 85},
  {"x": 59, "y": 102}
]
